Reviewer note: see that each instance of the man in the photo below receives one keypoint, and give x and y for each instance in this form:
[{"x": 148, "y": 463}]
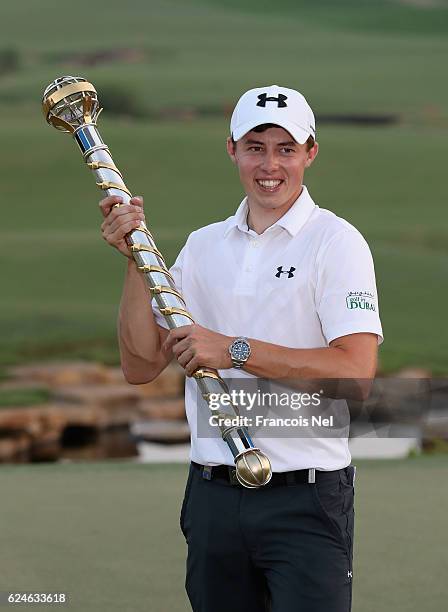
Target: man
[{"x": 295, "y": 285}]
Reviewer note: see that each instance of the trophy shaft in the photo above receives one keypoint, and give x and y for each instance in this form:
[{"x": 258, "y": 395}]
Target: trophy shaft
[
  {"x": 89, "y": 139},
  {"x": 147, "y": 257}
]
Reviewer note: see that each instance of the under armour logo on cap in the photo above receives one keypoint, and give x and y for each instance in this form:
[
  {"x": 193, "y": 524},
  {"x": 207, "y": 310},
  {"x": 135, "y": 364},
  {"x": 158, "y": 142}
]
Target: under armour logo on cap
[
  {"x": 281, "y": 100},
  {"x": 289, "y": 272}
]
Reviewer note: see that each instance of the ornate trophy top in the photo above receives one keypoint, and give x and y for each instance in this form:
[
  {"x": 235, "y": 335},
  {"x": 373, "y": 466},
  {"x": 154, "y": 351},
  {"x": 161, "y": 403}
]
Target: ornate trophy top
[{"x": 70, "y": 102}]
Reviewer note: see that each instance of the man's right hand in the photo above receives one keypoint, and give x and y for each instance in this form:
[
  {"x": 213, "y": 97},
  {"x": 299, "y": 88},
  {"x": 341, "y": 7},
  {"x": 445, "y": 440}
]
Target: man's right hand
[{"x": 119, "y": 221}]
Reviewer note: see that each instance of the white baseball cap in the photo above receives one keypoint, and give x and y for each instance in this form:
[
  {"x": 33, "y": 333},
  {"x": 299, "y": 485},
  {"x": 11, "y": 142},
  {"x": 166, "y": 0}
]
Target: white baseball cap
[{"x": 284, "y": 107}]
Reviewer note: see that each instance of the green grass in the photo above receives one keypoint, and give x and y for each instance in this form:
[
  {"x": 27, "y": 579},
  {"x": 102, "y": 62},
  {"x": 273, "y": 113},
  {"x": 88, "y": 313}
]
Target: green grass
[
  {"x": 62, "y": 284},
  {"x": 350, "y": 56},
  {"x": 107, "y": 534},
  {"x": 397, "y": 17},
  {"x": 22, "y": 397}
]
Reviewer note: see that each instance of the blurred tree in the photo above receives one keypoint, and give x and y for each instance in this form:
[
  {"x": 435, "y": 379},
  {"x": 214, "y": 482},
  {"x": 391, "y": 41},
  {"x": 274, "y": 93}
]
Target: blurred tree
[
  {"x": 9, "y": 60},
  {"x": 120, "y": 100}
]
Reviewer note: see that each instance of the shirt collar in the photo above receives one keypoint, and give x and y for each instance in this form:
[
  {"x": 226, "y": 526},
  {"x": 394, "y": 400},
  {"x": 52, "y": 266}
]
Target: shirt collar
[{"x": 292, "y": 221}]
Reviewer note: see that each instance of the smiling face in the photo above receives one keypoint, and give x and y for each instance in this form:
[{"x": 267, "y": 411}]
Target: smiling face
[{"x": 271, "y": 166}]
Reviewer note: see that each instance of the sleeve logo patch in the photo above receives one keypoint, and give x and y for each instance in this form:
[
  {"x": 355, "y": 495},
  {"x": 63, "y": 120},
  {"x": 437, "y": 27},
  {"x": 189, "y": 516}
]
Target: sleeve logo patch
[{"x": 361, "y": 300}]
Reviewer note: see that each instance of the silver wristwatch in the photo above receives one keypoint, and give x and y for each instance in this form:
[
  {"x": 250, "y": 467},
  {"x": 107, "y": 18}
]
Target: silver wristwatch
[{"x": 239, "y": 351}]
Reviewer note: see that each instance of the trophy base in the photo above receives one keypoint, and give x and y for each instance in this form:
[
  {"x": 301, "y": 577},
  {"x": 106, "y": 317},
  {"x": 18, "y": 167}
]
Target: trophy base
[{"x": 253, "y": 468}]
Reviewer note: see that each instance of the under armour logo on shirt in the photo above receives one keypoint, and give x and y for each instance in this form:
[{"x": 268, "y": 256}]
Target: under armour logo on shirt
[
  {"x": 289, "y": 272},
  {"x": 263, "y": 98}
]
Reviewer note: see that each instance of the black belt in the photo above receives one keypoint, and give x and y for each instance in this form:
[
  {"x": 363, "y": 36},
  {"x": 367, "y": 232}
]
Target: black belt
[{"x": 228, "y": 474}]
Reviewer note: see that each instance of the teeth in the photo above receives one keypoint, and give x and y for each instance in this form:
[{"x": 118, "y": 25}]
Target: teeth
[{"x": 269, "y": 184}]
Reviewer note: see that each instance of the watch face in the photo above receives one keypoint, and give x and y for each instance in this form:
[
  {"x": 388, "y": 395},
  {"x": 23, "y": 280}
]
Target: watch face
[{"x": 240, "y": 350}]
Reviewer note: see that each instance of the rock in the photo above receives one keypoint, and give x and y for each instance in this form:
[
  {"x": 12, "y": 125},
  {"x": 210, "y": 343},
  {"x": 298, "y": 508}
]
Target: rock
[
  {"x": 15, "y": 448},
  {"x": 53, "y": 417},
  {"x": 107, "y": 396},
  {"x": 37, "y": 420},
  {"x": 26, "y": 420},
  {"x": 435, "y": 425},
  {"x": 168, "y": 409},
  {"x": 395, "y": 400},
  {"x": 65, "y": 373},
  {"x": 84, "y": 416},
  {"x": 82, "y": 395},
  {"x": 170, "y": 383},
  {"x": 413, "y": 372},
  {"x": 115, "y": 376},
  {"x": 47, "y": 447},
  {"x": 161, "y": 431}
]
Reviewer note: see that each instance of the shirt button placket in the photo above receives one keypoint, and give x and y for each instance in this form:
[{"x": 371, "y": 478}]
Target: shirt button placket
[
  {"x": 248, "y": 280},
  {"x": 252, "y": 257}
]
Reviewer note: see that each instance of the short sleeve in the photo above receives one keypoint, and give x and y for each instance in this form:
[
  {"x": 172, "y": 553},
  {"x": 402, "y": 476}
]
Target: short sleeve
[
  {"x": 346, "y": 294},
  {"x": 176, "y": 273}
]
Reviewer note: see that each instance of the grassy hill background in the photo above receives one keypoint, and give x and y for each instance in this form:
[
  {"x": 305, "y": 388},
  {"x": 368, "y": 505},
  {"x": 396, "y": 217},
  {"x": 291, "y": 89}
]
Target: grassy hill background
[{"x": 193, "y": 58}]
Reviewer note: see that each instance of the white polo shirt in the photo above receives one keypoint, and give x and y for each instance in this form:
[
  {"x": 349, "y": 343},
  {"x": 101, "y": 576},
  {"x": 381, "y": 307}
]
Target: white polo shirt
[{"x": 307, "y": 279}]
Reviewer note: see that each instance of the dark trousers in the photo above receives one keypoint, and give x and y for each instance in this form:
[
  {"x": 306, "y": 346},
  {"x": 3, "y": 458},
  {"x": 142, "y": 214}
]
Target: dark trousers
[{"x": 285, "y": 548}]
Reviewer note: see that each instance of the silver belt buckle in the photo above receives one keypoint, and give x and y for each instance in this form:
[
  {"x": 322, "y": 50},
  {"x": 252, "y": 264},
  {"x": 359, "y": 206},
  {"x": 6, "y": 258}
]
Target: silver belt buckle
[
  {"x": 311, "y": 475},
  {"x": 232, "y": 476}
]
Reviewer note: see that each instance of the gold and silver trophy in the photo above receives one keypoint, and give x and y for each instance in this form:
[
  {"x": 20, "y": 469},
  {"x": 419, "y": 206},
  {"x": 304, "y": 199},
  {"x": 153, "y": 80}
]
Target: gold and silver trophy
[{"x": 70, "y": 104}]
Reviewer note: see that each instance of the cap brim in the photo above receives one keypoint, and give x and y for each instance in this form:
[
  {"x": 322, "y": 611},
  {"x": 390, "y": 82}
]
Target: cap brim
[{"x": 299, "y": 134}]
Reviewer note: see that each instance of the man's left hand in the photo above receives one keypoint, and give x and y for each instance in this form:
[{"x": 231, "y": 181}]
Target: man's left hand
[{"x": 195, "y": 346}]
